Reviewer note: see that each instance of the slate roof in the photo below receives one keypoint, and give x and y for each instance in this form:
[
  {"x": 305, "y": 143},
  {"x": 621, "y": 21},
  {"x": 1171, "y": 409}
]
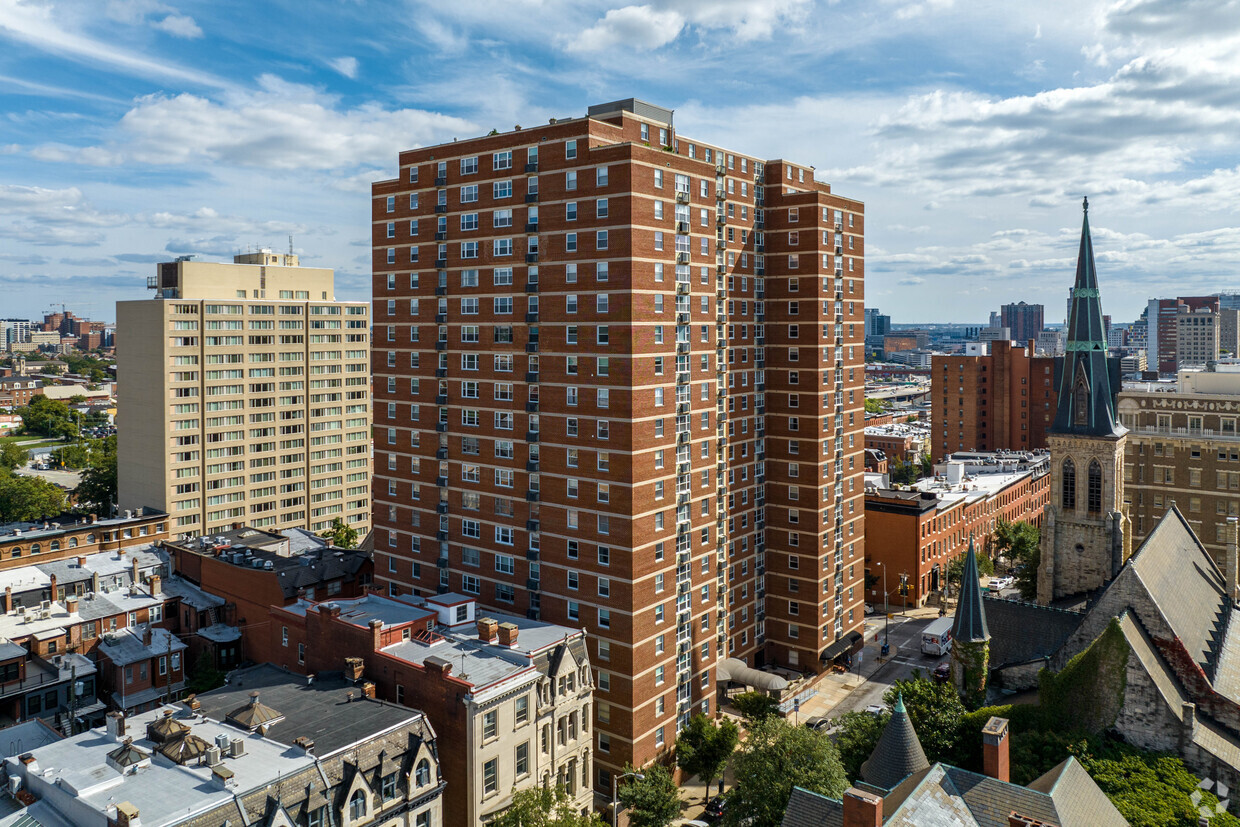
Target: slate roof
[
  {"x": 1172, "y": 564},
  {"x": 1024, "y": 632},
  {"x": 1079, "y": 802},
  {"x": 898, "y": 753},
  {"x": 319, "y": 711},
  {"x": 970, "y": 622},
  {"x": 807, "y": 809},
  {"x": 1085, "y": 360}
]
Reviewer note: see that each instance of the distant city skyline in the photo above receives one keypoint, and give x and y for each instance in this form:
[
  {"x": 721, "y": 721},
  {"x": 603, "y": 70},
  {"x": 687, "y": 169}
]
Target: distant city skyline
[{"x": 139, "y": 130}]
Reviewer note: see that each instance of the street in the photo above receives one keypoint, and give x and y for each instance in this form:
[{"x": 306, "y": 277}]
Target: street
[{"x": 905, "y": 636}]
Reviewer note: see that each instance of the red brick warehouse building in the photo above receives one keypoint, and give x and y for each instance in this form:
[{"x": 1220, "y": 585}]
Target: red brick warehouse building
[{"x": 619, "y": 385}]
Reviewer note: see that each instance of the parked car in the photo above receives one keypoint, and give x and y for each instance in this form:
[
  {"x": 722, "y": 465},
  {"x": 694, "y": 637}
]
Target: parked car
[
  {"x": 869, "y": 608},
  {"x": 714, "y": 809},
  {"x": 817, "y": 722},
  {"x": 942, "y": 673},
  {"x": 876, "y": 709}
]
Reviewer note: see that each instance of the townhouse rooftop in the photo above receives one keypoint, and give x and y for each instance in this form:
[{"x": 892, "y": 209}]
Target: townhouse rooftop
[{"x": 53, "y": 527}]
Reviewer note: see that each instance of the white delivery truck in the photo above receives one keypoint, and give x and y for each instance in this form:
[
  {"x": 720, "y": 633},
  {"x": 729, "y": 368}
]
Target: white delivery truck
[{"x": 936, "y": 639}]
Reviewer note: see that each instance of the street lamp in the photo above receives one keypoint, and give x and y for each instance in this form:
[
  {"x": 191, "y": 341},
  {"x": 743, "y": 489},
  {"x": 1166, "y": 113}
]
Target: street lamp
[
  {"x": 886, "y": 607},
  {"x": 615, "y": 793}
]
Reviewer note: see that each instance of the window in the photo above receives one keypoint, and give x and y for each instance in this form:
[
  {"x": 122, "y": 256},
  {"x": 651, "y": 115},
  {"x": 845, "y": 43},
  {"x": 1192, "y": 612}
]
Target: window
[
  {"x": 600, "y": 240},
  {"x": 387, "y": 787},
  {"x": 1094, "y": 494},
  {"x": 490, "y": 776},
  {"x": 570, "y": 149},
  {"x": 422, "y": 775},
  {"x": 523, "y": 759},
  {"x": 357, "y": 805},
  {"x": 570, "y": 180},
  {"x": 523, "y": 710},
  {"x": 1068, "y": 498},
  {"x": 490, "y": 725},
  {"x": 502, "y": 160},
  {"x": 469, "y": 166},
  {"x": 469, "y": 194}
]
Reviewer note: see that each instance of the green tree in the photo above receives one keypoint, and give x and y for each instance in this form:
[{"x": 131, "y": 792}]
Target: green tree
[
  {"x": 704, "y": 747},
  {"x": 97, "y": 488},
  {"x": 936, "y": 713},
  {"x": 955, "y": 569},
  {"x": 653, "y": 800},
  {"x": 858, "y": 735},
  {"x": 774, "y": 758},
  {"x": 873, "y": 406},
  {"x": 1020, "y": 542},
  {"x": 341, "y": 534},
  {"x": 49, "y": 417},
  {"x": 28, "y": 498},
  {"x": 544, "y": 807},
  {"x": 754, "y": 706},
  {"x": 74, "y": 455},
  {"x": 12, "y": 456}
]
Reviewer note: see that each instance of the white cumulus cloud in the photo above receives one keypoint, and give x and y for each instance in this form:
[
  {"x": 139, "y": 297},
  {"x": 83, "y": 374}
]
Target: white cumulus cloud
[{"x": 179, "y": 25}]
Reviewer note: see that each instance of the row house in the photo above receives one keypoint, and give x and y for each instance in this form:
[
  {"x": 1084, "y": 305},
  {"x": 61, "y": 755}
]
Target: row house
[{"x": 71, "y": 535}]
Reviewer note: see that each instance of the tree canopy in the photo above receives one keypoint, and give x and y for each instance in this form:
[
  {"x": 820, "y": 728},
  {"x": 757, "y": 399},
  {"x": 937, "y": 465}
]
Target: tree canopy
[
  {"x": 544, "y": 807},
  {"x": 754, "y": 706},
  {"x": 653, "y": 800},
  {"x": 775, "y": 757},
  {"x": 50, "y": 418},
  {"x": 97, "y": 488},
  {"x": 28, "y": 498},
  {"x": 704, "y": 747},
  {"x": 12, "y": 456},
  {"x": 1020, "y": 543},
  {"x": 341, "y": 534}
]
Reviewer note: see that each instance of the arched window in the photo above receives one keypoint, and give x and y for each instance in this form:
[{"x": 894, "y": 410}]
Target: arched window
[
  {"x": 357, "y": 805},
  {"x": 55, "y": 545},
  {"x": 1068, "y": 485},
  {"x": 1080, "y": 403},
  {"x": 17, "y": 551},
  {"x": 422, "y": 775},
  {"x": 36, "y": 548},
  {"x": 1094, "y": 498},
  {"x": 90, "y": 538},
  {"x": 73, "y": 542}
]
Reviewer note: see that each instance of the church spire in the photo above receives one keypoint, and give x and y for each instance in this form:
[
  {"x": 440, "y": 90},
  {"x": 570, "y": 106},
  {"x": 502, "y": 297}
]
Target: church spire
[
  {"x": 1086, "y": 400},
  {"x": 969, "y": 625}
]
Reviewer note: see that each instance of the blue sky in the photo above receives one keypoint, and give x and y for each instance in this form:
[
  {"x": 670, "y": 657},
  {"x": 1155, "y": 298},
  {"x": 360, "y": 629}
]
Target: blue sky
[{"x": 135, "y": 130}]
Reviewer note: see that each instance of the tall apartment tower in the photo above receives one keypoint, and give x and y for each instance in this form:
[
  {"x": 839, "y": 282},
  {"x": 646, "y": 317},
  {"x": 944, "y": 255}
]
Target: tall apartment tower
[
  {"x": 1002, "y": 398},
  {"x": 619, "y": 386},
  {"x": 244, "y": 396}
]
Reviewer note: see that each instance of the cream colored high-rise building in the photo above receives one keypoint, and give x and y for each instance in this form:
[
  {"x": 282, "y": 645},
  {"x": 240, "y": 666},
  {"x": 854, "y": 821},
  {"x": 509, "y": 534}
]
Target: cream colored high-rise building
[{"x": 244, "y": 396}]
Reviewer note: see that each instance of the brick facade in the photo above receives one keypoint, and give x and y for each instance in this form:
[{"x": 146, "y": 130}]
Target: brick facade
[{"x": 618, "y": 381}]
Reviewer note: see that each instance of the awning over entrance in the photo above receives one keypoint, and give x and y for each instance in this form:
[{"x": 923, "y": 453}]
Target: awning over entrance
[
  {"x": 734, "y": 669},
  {"x": 848, "y": 643}
]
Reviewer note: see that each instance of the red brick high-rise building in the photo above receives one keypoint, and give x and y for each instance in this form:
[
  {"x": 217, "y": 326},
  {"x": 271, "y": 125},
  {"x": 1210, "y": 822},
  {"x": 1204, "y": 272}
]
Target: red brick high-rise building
[
  {"x": 619, "y": 386},
  {"x": 1000, "y": 400}
]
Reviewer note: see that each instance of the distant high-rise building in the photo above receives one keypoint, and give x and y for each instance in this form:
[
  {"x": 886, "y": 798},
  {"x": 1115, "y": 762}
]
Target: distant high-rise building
[
  {"x": 619, "y": 386},
  {"x": 244, "y": 396},
  {"x": 1229, "y": 331},
  {"x": 876, "y": 324},
  {"x": 1197, "y": 336},
  {"x": 1162, "y": 323},
  {"x": 1024, "y": 320}
]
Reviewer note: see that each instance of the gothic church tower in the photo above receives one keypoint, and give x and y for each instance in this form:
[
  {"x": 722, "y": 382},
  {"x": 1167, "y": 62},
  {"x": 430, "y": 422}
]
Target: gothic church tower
[{"x": 1086, "y": 535}]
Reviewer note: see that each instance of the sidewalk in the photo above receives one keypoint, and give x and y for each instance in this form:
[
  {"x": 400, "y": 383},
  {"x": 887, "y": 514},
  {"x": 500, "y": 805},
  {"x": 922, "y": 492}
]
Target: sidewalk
[{"x": 833, "y": 688}]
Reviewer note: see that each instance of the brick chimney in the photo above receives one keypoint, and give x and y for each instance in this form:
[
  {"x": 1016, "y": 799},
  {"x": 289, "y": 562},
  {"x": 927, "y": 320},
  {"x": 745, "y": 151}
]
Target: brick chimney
[
  {"x": 862, "y": 809},
  {"x": 156, "y": 585},
  {"x": 368, "y": 689},
  {"x": 127, "y": 815},
  {"x": 995, "y": 749},
  {"x": 71, "y": 603},
  {"x": 437, "y": 665},
  {"x": 376, "y": 634},
  {"x": 353, "y": 669},
  {"x": 146, "y": 635},
  {"x": 116, "y": 725},
  {"x": 508, "y": 635},
  {"x": 51, "y": 587},
  {"x": 8, "y": 599},
  {"x": 133, "y": 569},
  {"x": 81, "y": 562},
  {"x": 488, "y": 630}
]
